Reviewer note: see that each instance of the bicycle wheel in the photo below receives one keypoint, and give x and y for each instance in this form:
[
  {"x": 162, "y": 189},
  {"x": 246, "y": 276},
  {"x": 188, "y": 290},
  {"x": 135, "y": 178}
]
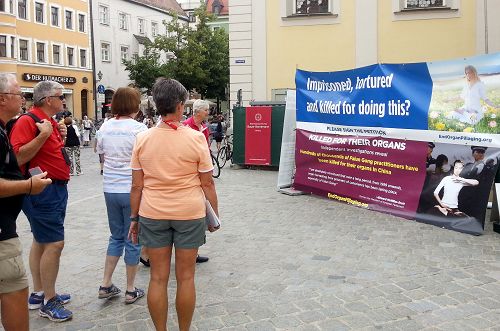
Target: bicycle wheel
[
  {"x": 222, "y": 157},
  {"x": 215, "y": 163},
  {"x": 229, "y": 154}
]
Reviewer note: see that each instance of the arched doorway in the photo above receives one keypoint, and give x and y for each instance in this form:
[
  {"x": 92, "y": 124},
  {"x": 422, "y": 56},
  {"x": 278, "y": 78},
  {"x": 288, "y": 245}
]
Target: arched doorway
[{"x": 84, "y": 102}]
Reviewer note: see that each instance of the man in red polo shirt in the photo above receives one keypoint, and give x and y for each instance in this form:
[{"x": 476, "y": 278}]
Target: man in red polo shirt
[
  {"x": 42, "y": 145},
  {"x": 195, "y": 122}
]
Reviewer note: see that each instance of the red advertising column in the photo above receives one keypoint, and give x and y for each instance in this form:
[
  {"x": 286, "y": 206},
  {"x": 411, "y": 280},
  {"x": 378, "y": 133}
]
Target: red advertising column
[{"x": 258, "y": 135}]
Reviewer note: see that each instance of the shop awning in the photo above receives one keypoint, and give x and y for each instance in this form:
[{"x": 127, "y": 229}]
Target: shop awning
[{"x": 30, "y": 90}]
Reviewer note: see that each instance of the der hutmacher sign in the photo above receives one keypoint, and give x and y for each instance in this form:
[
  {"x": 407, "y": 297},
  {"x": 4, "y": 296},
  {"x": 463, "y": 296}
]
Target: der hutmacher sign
[{"x": 38, "y": 78}]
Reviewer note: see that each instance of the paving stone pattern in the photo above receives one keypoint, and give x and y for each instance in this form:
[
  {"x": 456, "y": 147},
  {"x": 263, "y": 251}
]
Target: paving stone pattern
[{"x": 290, "y": 263}]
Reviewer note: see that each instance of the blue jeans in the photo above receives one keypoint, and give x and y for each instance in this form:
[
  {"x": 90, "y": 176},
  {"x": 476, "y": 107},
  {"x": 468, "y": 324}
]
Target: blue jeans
[{"x": 118, "y": 206}]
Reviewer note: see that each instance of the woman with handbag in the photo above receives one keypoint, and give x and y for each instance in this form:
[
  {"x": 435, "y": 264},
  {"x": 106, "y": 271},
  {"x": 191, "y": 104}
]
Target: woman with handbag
[{"x": 171, "y": 177}]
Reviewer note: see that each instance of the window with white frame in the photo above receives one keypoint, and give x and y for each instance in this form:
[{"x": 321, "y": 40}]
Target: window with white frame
[
  {"x": 23, "y": 50},
  {"x": 70, "y": 51},
  {"x": 81, "y": 22},
  {"x": 124, "y": 53},
  {"x": 2, "y": 6},
  {"x": 141, "y": 26},
  {"x": 154, "y": 29},
  {"x": 83, "y": 58},
  {"x": 425, "y": 4},
  {"x": 103, "y": 15},
  {"x": 105, "y": 52},
  {"x": 22, "y": 9},
  {"x": 122, "y": 21},
  {"x": 68, "y": 18},
  {"x": 41, "y": 57},
  {"x": 424, "y": 9},
  {"x": 39, "y": 12},
  {"x": 307, "y": 7},
  {"x": 56, "y": 54},
  {"x": 309, "y": 12},
  {"x": 13, "y": 47},
  {"x": 54, "y": 16},
  {"x": 3, "y": 46}
]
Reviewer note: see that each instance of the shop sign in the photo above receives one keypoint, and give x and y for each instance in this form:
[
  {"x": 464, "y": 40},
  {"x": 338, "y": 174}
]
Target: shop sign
[{"x": 38, "y": 78}]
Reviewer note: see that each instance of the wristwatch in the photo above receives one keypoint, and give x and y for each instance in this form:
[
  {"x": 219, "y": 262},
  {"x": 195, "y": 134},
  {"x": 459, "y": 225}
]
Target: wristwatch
[{"x": 134, "y": 218}]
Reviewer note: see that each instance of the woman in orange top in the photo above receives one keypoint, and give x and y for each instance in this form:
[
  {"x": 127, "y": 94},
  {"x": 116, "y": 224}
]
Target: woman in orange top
[{"x": 171, "y": 177}]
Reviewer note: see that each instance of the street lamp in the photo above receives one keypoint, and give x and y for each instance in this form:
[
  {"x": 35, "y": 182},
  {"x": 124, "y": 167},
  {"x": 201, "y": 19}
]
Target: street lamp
[
  {"x": 99, "y": 76},
  {"x": 170, "y": 55}
]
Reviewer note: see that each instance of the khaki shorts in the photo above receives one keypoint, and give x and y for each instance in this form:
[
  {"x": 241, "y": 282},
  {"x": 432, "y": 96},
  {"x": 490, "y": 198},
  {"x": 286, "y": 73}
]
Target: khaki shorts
[
  {"x": 12, "y": 272},
  {"x": 181, "y": 234}
]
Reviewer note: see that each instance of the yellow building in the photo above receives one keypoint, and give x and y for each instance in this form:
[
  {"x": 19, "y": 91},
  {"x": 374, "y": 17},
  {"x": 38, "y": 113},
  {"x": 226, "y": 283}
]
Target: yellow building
[
  {"x": 49, "y": 40},
  {"x": 270, "y": 39}
]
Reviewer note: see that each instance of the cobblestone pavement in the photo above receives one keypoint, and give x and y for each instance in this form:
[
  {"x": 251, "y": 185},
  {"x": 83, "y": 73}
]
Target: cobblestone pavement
[{"x": 290, "y": 263}]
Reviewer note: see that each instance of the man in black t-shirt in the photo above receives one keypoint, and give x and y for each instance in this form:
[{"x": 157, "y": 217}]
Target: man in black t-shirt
[{"x": 13, "y": 187}]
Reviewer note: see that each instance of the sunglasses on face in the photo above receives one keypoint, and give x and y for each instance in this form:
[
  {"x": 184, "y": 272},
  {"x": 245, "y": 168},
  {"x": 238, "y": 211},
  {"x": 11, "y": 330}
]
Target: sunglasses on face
[{"x": 61, "y": 97}]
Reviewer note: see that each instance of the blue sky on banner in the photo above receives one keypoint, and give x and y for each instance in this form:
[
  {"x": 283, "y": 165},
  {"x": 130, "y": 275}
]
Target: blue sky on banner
[
  {"x": 487, "y": 64},
  {"x": 380, "y": 95}
]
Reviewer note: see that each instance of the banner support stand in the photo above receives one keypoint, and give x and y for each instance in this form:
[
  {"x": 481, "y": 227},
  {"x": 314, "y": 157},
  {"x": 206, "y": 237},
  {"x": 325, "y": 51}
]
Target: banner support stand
[{"x": 495, "y": 210}]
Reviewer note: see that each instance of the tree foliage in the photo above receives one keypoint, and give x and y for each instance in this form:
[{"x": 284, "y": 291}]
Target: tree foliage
[
  {"x": 144, "y": 70},
  {"x": 202, "y": 57}
]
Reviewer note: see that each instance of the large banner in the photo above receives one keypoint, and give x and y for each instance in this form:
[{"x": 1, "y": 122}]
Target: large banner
[
  {"x": 418, "y": 140},
  {"x": 258, "y": 135}
]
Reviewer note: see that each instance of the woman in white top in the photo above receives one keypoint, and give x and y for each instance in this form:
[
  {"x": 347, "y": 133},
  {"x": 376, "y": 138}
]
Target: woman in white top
[
  {"x": 116, "y": 141},
  {"x": 472, "y": 94}
]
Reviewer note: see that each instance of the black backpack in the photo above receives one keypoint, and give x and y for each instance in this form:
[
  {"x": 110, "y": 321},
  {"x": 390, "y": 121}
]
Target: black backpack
[{"x": 10, "y": 125}]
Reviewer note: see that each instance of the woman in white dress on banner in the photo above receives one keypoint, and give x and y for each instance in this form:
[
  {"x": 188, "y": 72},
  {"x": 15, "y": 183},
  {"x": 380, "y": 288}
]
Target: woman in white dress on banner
[{"x": 472, "y": 94}]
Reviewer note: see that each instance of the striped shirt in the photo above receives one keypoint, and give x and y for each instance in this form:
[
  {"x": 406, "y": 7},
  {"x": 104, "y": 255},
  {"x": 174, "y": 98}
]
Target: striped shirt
[{"x": 115, "y": 140}]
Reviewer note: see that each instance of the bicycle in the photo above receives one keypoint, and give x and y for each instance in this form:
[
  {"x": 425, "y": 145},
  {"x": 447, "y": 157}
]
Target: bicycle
[
  {"x": 226, "y": 151},
  {"x": 217, "y": 167}
]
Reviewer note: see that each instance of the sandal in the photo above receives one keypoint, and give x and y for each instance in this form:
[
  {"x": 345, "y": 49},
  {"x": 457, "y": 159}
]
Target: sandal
[
  {"x": 108, "y": 292},
  {"x": 134, "y": 295}
]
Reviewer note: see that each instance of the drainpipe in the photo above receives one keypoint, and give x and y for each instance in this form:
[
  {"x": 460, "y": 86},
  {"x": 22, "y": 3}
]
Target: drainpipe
[
  {"x": 94, "y": 80},
  {"x": 486, "y": 26}
]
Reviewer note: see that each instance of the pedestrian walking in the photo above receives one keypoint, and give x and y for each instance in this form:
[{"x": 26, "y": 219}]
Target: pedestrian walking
[
  {"x": 72, "y": 146},
  {"x": 171, "y": 178},
  {"x": 87, "y": 128},
  {"x": 116, "y": 140},
  {"x": 41, "y": 144}
]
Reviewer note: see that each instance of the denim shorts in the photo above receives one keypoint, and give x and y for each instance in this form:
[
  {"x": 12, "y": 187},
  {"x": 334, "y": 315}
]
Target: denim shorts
[
  {"x": 184, "y": 234},
  {"x": 46, "y": 212}
]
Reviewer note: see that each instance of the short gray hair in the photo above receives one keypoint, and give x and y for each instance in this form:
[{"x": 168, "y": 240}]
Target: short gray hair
[
  {"x": 199, "y": 105},
  {"x": 6, "y": 82},
  {"x": 167, "y": 93},
  {"x": 44, "y": 89}
]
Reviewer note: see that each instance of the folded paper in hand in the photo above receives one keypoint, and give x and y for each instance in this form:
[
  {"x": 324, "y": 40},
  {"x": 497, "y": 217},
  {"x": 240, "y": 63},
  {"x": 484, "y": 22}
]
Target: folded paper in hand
[{"x": 211, "y": 218}]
